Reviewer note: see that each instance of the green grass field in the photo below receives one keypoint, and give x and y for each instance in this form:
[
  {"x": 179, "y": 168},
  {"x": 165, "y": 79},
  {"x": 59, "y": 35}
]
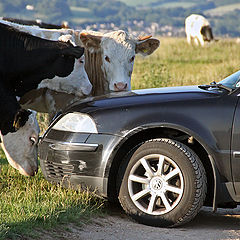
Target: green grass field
[
  {"x": 176, "y": 63},
  {"x": 29, "y": 204}
]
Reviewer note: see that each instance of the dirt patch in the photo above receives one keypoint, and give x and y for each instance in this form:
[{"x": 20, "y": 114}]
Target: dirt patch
[{"x": 224, "y": 224}]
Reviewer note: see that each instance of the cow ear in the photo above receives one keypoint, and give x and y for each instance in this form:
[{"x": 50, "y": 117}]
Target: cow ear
[
  {"x": 90, "y": 42},
  {"x": 148, "y": 46}
]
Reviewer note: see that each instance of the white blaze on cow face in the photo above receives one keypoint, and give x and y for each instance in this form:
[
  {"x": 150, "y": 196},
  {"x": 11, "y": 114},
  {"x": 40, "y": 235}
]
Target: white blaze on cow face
[
  {"x": 117, "y": 61},
  {"x": 21, "y": 147},
  {"x": 117, "y": 50}
]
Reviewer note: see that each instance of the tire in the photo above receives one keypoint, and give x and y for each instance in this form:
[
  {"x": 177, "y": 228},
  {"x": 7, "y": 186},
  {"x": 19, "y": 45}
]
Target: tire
[{"x": 162, "y": 183}]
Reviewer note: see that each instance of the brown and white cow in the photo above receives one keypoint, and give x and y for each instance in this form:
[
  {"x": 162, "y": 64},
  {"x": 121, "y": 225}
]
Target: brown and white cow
[
  {"x": 110, "y": 58},
  {"x": 198, "y": 29}
]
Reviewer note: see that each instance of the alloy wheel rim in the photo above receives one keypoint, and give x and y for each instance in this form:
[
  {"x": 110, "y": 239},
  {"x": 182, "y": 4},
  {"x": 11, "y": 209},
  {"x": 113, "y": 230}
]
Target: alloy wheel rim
[{"x": 155, "y": 184}]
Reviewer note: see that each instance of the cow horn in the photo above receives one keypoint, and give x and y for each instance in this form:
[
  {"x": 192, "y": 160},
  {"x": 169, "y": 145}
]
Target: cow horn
[{"x": 144, "y": 38}]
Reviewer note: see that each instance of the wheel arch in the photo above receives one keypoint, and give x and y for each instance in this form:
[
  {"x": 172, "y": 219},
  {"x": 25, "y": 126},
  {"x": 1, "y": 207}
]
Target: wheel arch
[{"x": 145, "y": 133}]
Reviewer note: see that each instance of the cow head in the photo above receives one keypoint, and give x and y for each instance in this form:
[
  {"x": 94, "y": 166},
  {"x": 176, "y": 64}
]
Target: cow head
[
  {"x": 76, "y": 83},
  {"x": 117, "y": 50},
  {"x": 206, "y": 31},
  {"x": 20, "y": 147}
]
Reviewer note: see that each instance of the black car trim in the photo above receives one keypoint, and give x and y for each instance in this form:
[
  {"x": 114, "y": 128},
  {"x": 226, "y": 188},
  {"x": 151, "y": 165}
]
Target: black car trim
[
  {"x": 97, "y": 185},
  {"x": 71, "y": 146}
]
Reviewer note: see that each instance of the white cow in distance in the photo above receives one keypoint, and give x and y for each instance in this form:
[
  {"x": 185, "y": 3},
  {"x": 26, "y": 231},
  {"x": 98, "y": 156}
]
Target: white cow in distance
[{"x": 198, "y": 29}]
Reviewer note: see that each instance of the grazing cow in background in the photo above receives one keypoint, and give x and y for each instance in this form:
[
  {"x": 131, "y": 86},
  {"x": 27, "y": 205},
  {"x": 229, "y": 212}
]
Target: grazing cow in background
[
  {"x": 20, "y": 147},
  {"x": 25, "y": 61},
  {"x": 198, "y": 29}
]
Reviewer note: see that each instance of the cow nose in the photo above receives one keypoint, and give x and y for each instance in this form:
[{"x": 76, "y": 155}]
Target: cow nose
[
  {"x": 28, "y": 170},
  {"x": 33, "y": 171},
  {"x": 120, "y": 86}
]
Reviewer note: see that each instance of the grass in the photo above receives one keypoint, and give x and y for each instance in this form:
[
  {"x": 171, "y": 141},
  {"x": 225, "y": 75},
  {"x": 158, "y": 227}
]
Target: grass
[
  {"x": 176, "y": 63},
  {"x": 29, "y": 205}
]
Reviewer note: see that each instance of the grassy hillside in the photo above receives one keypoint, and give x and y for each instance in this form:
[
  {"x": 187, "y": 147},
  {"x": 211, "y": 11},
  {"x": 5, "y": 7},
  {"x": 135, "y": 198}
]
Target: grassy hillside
[
  {"x": 190, "y": 3},
  {"x": 29, "y": 204},
  {"x": 138, "y": 2},
  {"x": 218, "y": 11}
]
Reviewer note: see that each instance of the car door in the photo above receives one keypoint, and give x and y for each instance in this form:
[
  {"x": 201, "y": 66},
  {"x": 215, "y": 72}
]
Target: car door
[{"x": 235, "y": 148}]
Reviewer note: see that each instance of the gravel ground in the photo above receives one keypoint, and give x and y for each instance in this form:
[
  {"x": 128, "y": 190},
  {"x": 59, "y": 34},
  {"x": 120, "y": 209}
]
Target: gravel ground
[{"x": 224, "y": 224}]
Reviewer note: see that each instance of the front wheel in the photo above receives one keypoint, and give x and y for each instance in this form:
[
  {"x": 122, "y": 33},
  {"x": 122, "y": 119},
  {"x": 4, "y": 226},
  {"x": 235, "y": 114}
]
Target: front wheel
[{"x": 163, "y": 183}]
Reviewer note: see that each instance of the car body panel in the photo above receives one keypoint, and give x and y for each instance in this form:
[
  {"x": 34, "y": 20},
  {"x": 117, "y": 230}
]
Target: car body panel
[{"x": 206, "y": 115}]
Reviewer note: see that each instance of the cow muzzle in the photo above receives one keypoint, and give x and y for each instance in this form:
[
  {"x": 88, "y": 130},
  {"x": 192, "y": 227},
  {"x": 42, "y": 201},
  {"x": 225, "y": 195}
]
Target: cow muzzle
[
  {"x": 120, "y": 87},
  {"x": 28, "y": 170}
]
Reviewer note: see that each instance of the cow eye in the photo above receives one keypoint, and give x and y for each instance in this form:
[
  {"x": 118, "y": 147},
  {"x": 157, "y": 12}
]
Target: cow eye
[
  {"x": 132, "y": 58},
  {"x": 107, "y": 59},
  {"x": 33, "y": 140}
]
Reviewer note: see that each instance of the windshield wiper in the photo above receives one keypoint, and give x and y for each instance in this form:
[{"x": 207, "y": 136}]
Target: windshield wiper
[{"x": 216, "y": 85}]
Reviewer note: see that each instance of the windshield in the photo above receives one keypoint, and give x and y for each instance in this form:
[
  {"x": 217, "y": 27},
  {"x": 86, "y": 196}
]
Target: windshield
[{"x": 232, "y": 81}]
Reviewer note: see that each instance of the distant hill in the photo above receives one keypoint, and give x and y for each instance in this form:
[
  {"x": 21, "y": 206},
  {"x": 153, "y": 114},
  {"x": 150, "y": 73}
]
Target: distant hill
[
  {"x": 177, "y": 3},
  {"x": 165, "y": 17}
]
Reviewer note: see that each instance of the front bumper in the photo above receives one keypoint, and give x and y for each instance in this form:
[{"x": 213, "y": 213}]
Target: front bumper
[{"x": 77, "y": 159}]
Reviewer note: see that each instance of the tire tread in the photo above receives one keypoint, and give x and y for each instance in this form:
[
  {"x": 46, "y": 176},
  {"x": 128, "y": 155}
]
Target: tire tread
[{"x": 200, "y": 181}]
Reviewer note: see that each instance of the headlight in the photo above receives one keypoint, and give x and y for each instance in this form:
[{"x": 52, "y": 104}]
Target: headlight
[{"x": 76, "y": 122}]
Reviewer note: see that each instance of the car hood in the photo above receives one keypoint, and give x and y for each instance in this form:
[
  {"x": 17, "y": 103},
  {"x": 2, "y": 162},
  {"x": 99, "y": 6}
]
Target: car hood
[{"x": 143, "y": 96}]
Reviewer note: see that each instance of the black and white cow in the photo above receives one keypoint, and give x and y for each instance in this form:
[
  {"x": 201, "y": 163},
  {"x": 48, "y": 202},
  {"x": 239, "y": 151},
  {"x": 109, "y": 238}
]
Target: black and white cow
[
  {"x": 198, "y": 29},
  {"x": 26, "y": 60},
  {"x": 20, "y": 147}
]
